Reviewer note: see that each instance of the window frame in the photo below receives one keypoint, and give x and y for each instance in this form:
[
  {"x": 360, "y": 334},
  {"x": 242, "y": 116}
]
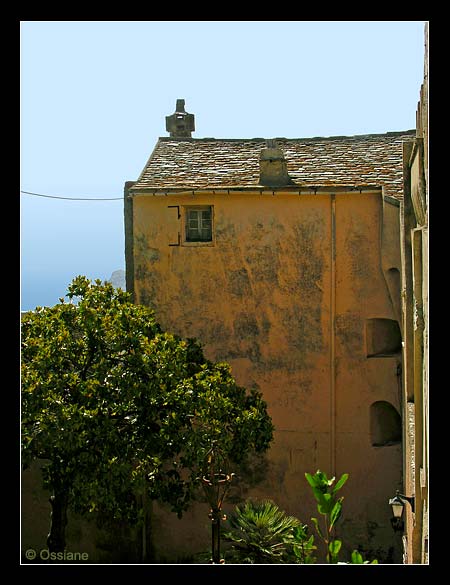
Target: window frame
[{"x": 184, "y": 227}]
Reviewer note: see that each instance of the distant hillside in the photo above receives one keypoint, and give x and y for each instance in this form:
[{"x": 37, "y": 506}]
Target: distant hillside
[{"x": 117, "y": 279}]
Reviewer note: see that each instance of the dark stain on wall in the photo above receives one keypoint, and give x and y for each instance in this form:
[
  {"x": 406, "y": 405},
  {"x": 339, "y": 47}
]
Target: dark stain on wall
[
  {"x": 308, "y": 336},
  {"x": 358, "y": 248},
  {"x": 141, "y": 272},
  {"x": 144, "y": 251},
  {"x": 239, "y": 283},
  {"x": 274, "y": 225},
  {"x": 265, "y": 326},
  {"x": 140, "y": 243},
  {"x": 250, "y": 350},
  {"x": 210, "y": 332},
  {"x": 147, "y": 298},
  {"x": 283, "y": 361},
  {"x": 148, "y": 291},
  {"x": 153, "y": 255},
  {"x": 216, "y": 332},
  {"x": 303, "y": 328},
  {"x": 307, "y": 235},
  {"x": 244, "y": 271},
  {"x": 264, "y": 263},
  {"x": 225, "y": 231},
  {"x": 349, "y": 332},
  {"x": 245, "y": 326}
]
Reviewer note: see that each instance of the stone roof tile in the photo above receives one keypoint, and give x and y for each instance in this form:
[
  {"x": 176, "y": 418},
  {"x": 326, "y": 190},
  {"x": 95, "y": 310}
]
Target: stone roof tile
[{"x": 209, "y": 163}]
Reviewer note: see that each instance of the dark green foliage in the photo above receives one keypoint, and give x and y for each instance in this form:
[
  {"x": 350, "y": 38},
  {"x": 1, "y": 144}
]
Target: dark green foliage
[
  {"x": 117, "y": 407},
  {"x": 330, "y": 507},
  {"x": 357, "y": 559},
  {"x": 302, "y": 545},
  {"x": 260, "y": 533}
]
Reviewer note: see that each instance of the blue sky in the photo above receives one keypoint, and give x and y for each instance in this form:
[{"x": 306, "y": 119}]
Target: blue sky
[{"x": 94, "y": 96}]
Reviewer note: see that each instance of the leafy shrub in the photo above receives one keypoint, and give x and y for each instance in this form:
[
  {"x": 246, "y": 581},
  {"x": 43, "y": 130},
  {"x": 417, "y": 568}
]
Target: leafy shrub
[{"x": 260, "y": 533}]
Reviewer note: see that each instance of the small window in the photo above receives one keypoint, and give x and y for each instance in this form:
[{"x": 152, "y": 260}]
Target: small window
[{"x": 198, "y": 224}]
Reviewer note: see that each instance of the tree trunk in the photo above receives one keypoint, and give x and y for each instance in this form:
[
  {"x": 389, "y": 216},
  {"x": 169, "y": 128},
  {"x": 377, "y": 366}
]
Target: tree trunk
[
  {"x": 56, "y": 540},
  {"x": 147, "y": 548}
]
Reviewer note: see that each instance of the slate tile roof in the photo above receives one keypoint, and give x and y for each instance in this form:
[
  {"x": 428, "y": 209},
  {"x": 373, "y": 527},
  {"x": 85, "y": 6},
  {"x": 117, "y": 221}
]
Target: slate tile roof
[{"x": 209, "y": 163}]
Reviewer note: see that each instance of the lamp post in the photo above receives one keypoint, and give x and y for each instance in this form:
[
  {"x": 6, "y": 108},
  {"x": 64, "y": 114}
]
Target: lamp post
[
  {"x": 397, "y": 504},
  {"x": 216, "y": 483}
]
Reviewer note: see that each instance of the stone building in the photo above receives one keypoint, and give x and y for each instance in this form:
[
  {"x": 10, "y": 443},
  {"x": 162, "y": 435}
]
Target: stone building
[
  {"x": 414, "y": 244},
  {"x": 283, "y": 258}
]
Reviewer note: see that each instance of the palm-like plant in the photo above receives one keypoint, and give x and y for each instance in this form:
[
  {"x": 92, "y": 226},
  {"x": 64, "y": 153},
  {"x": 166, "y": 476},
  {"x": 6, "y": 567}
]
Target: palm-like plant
[{"x": 260, "y": 533}]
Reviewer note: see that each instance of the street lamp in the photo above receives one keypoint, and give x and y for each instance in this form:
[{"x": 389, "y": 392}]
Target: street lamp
[
  {"x": 216, "y": 483},
  {"x": 397, "y": 504}
]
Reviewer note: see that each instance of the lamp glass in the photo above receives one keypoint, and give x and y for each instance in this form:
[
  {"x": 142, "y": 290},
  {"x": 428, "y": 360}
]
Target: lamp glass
[{"x": 397, "y": 507}]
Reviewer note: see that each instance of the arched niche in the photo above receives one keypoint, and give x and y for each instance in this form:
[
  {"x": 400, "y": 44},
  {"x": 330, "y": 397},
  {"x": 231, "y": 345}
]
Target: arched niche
[{"x": 385, "y": 424}]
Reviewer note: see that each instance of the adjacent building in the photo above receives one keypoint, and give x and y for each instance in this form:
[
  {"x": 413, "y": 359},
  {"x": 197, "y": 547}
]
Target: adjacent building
[{"x": 414, "y": 244}]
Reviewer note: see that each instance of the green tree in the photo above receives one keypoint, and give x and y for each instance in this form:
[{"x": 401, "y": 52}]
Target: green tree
[{"x": 118, "y": 408}]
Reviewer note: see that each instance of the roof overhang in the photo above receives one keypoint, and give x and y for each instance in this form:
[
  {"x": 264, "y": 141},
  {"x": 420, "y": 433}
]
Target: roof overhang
[{"x": 258, "y": 190}]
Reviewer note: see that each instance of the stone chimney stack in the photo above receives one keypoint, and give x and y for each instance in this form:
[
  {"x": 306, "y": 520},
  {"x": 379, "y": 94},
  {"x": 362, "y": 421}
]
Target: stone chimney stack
[
  {"x": 180, "y": 124},
  {"x": 273, "y": 167}
]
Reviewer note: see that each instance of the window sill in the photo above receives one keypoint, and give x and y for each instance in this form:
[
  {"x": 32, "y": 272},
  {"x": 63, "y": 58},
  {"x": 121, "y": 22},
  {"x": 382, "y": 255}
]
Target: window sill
[{"x": 198, "y": 244}]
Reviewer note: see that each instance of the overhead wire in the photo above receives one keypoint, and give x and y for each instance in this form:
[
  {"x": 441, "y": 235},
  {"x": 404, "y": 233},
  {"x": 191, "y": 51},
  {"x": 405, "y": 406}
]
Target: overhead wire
[{"x": 73, "y": 198}]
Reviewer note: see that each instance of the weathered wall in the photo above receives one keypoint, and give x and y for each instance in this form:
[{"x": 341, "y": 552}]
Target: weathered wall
[
  {"x": 283, "y": 294},
  {"x": 414, "y": 248},
  {"x": 35, "y": 513},
  {"x": 97, "y": 541}
]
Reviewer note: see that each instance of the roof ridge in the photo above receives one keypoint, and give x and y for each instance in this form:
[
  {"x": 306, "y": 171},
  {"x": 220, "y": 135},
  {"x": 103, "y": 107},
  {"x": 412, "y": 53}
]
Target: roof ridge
[{"x": 303, "y": 139}]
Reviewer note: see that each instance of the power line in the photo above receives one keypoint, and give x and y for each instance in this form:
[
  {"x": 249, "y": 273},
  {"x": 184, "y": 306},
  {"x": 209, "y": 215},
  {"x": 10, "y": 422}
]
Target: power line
[{"x": 74, "y": 198}]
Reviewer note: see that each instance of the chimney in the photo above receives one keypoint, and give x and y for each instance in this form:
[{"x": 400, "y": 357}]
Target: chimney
[
  {"x": 273, "y": 166},
  {"x": 180, "y": 124}
]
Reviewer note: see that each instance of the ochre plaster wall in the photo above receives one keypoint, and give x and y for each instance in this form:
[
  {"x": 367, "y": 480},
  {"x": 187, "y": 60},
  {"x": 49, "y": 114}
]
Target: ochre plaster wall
[
  {"x": 95, "y": 541},
  {"x": 283, "y": 294}
]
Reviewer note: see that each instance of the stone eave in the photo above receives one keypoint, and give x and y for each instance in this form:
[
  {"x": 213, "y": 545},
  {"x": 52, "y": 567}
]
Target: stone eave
[{"x": 258, "y": 189}]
